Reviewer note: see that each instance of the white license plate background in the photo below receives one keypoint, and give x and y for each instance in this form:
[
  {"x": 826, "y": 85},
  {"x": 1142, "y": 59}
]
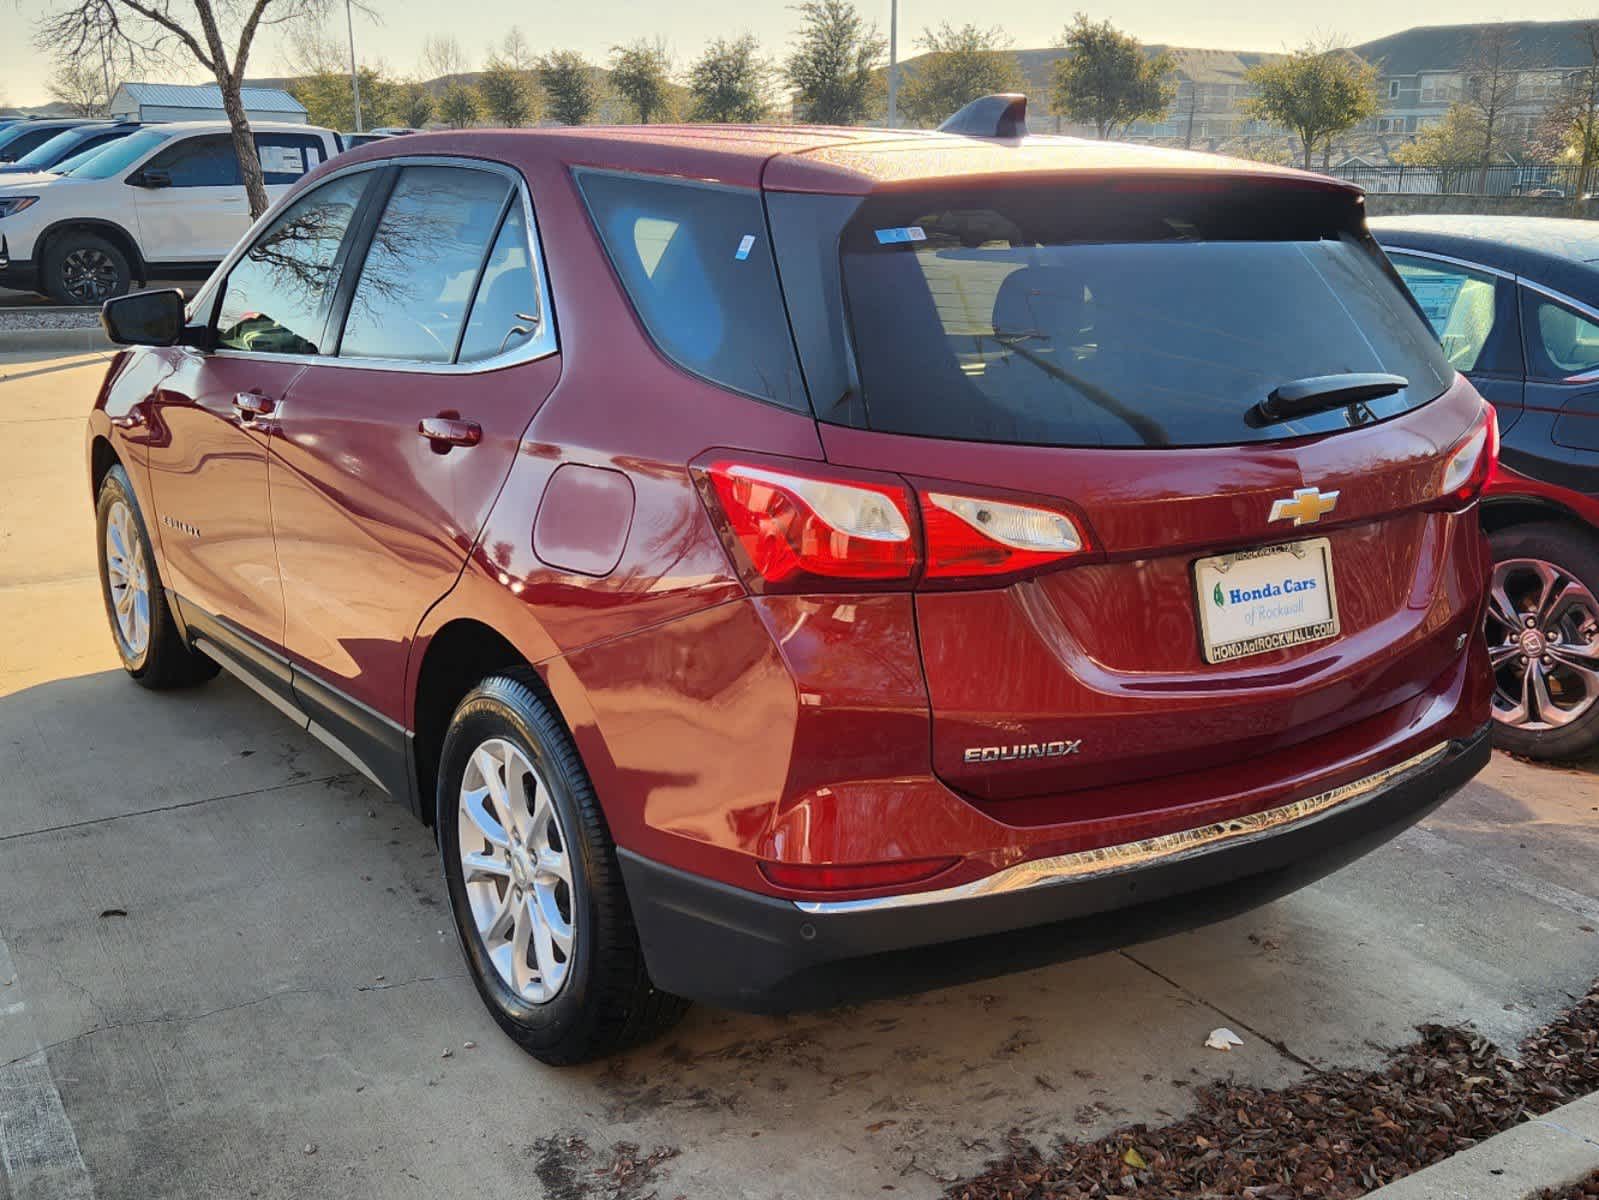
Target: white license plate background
[{"x": 1255, "y": 601}]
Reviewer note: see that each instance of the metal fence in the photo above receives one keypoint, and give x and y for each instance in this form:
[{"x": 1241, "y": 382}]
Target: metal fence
[{"x": 1551, "y": 180}]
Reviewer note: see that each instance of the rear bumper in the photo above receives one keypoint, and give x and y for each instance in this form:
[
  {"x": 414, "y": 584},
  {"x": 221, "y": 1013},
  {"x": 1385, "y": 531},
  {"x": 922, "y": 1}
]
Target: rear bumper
[{"x": 737, "y": 949}]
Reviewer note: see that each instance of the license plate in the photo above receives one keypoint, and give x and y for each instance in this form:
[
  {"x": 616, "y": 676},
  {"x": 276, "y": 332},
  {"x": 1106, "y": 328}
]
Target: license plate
[{"x": 1266, "y": 599}]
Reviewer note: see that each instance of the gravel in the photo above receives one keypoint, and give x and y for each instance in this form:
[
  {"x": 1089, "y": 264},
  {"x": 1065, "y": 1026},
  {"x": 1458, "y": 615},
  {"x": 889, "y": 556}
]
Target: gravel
[
  {"x": 48, "y": 318},
  {"x": 1338, "y": 1135}
]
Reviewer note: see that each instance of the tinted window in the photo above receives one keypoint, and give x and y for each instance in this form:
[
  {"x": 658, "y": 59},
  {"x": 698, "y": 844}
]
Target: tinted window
[
  {"x": 276, "y": 298},
  {"x": 287, "y": 156},
  {"x": 20, "y": 139},
  {"x": 1472, "y": 313},
  {"x": 1560, "y": 342},
  {"x": 200, "y": 162},
  {"x": 505, "y": 313},
  {"x": 73, "y": 141},
  {"x": 1159, "y": 315},
  {"x": 427, "y": 251},
  {"x": 696, "y": 264}
]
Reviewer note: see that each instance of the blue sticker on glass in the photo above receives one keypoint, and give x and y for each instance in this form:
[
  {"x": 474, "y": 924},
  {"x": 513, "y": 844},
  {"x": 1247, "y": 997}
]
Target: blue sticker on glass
[
  {"x": 905, "y": 233},
  {"x": 744, "y": 247}
]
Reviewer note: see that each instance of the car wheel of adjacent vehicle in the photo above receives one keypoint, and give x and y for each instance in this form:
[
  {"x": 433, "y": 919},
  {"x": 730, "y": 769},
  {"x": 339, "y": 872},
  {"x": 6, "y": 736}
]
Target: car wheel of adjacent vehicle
[
  {"x": 142, "y": 625},
  {"x": 1543, "y": 641},
  {"x": 534, "y": 882},
  {"x": 82, "y": 268}
]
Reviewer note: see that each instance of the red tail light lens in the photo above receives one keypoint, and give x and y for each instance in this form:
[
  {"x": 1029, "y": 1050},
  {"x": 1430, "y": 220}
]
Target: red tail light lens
[
  {"x": 794, "y": 527},
  {"x": 969, "y": 537},
  {"x": 840, "y": 877},
  {"x": 1471, "y": 464}
]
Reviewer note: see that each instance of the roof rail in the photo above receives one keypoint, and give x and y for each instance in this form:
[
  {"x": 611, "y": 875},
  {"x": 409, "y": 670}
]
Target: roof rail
[{"x": 1002, "y": 115}]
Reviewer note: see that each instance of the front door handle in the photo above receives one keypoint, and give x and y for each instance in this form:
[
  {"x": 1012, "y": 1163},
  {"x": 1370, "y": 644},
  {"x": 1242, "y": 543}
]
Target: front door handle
[
  {"x": 448, "y": 429},
  {"x": 250, "y": 405}
]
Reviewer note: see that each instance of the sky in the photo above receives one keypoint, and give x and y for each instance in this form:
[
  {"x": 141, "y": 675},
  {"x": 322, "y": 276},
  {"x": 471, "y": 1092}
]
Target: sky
[{"x": 396, "y": 32}]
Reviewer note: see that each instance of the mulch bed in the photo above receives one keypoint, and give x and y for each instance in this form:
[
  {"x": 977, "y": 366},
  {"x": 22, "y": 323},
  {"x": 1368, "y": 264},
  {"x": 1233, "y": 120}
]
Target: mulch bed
[
  {"x": 1339, "y": 1134},
  {"x": 1586, "y": 1189}
]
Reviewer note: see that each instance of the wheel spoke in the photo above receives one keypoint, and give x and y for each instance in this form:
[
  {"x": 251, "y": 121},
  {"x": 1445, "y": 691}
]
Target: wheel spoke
[
  {"x": 1499, "y": 606},
  {"x": 554, "y": 862},
  {"x": 1499, "y": 655},
  {"x": 474, "y": 806},
  {"x": 478, "y": 865},
  {"x": 1543, "y": 706}
]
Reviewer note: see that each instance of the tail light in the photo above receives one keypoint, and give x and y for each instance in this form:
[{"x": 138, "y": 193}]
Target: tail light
[
  {"x": 793, "y": 526},
  {"x": 1471, "y": 464}
]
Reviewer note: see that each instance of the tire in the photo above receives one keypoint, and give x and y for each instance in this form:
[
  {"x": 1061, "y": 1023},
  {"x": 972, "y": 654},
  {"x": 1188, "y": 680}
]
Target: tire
[
  {"x": 145, "y": 632},
  {"x": 561, "y": 1005},
  {"x": 84, "y": 268},
  {"x": 1556, "y": 565}
]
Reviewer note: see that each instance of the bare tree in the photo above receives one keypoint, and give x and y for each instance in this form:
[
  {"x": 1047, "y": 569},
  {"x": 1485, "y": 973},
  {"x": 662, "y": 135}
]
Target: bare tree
[
  {"x": 1490, "y": 87},
  {"x": 83, "y": 86},
  {"x": 219, "y": 36},
  {"x": 442, "y": 56},
  {"x": 1571, "y": 126}
]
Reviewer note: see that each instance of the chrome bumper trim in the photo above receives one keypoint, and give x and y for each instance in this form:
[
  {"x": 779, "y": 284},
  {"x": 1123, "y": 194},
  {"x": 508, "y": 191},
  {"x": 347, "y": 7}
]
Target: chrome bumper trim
[{"x": 1130, "y": 856}]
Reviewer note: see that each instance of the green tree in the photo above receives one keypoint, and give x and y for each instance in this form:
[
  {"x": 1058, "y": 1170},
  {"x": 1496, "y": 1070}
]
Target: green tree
[
  {"x": 832, "y": 67},
  {"x": 960, "y": 65},
  {"x": 413, "y": 104},
  {"x": 1450, "y": 146},
  {"x": 729, "y": 82},
  {"x": 568, "y": 82},
  {"x": 1106, "y": 79},
  {"x": 506, "y": 91},
  {"x": 641, "y": 73},
  {"x": 322, "y": 83},
  {"x": 459, "y": 106},
  {"x": 1570, "y": 127},
  {"x": 1318, "y": 91}
]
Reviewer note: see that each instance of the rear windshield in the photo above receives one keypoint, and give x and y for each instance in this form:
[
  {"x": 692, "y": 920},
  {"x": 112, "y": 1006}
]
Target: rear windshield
[{"x": 1064, "y": 316}]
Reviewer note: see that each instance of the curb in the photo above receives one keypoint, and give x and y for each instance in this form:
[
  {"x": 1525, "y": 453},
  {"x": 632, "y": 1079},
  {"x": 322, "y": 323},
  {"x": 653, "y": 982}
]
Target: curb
[
  {"x": 1550, "y": 1151},
  {"x": 64, "y": 340}
]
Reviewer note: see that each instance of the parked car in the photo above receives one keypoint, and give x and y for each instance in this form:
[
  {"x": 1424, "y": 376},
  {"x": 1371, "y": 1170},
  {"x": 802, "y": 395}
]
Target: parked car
[
  {"x": 25, "y": 136},
  {"x": 167, "y": 202},
  {"x": 69, "y": 143},
  {"x": 787, "y": 565},
  {"x": 1515, "y": 301}
]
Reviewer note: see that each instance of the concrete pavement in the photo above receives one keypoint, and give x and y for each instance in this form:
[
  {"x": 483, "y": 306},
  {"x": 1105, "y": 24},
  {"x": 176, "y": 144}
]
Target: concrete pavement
[{"x": 220, "y": 948}]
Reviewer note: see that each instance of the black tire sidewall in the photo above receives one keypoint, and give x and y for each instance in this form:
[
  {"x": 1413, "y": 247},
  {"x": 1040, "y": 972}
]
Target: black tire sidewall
[
  {"x": 1576, "y": 552},
  {"x": 64, "y": 244},
  {"x": 115, "y": 487},
  {"x": 494, "y": 711}
]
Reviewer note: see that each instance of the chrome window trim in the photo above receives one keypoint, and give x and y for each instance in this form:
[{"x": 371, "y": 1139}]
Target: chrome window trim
[
  {"x": 1167, "y": 848},
  {"x": 542, "y": 344},
  {"x": 1450, "y": 259},
  {"x": 1587, "y": 311}
]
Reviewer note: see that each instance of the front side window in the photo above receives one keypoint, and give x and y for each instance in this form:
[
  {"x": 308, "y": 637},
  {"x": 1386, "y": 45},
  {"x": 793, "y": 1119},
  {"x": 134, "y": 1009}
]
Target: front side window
[
  {"x": 695, "y": 262},
  {"x": 423, "y": 265},
  {"x": 1470, "y": 311},
  {"x": 207, "y": 161},
  {"x": 117, "y": 157},
  {"x": 1560, "y": 341},
  {"x": 276, "y": 298}
]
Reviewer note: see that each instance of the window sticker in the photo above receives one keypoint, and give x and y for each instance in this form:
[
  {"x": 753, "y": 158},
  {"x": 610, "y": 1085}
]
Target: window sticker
[
  {"x": 284, "y": 160},
  {"x": 906, "y": 233},
  {"x": 1436, "y": 295},
  {"x": 745, "y": 245}
]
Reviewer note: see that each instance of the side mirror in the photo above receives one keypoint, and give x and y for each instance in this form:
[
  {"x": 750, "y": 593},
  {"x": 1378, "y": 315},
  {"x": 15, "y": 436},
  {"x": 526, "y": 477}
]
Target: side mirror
[
  {"x": 145, "y": 318},
  {"x": 152, "y": 179}
]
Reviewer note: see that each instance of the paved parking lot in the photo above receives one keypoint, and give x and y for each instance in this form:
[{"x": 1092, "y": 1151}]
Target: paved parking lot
[{"x": 226, "y": 967}]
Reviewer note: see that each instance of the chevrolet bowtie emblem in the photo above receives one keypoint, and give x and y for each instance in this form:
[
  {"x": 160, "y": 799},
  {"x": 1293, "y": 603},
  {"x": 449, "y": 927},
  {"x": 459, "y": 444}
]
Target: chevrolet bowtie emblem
[{"x": 1307, "y": 507}]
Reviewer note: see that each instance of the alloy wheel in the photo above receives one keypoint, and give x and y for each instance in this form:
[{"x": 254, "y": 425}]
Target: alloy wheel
[
  {"x": 88, "y": 274},
  {"x": 1543, "y": 642},
  {"x": 128, "y": 580},
  {"x": 517, "y": 868}
]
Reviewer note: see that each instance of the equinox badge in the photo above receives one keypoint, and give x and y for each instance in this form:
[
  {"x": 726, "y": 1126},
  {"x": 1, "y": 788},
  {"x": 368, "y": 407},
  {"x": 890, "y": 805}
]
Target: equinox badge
[{"x": 975, "y": 754}]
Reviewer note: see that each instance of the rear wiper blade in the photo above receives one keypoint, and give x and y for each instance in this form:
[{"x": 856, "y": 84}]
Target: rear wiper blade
[{"x": 1317, "y": 394}]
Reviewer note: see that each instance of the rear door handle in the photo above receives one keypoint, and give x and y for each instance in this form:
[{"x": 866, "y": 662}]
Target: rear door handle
[
  {"x": 250, "y": 405},
  {"x": 448, "y": 429}
]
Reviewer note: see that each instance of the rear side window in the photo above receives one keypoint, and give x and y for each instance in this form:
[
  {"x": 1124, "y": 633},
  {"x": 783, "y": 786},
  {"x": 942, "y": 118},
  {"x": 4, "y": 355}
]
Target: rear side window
[
  {"x": 1079, "y": 316},
  {"x": 695, "y": 262},
  {"x": 1472, "y": 312},
  {"x": 287, "y": 156},
  {"x": 505, "y": 312},
  {"x": 420, "y": 273},
  {"x": 1561, "y": 342}
]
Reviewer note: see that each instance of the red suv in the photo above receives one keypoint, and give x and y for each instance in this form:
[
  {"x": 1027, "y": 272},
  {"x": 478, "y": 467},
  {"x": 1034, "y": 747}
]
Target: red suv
[{"x": 795, "y": 563}]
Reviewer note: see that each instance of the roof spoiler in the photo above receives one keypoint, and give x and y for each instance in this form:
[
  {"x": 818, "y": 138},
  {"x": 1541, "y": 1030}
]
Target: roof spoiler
[{"x": 1002, "y": 115}]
